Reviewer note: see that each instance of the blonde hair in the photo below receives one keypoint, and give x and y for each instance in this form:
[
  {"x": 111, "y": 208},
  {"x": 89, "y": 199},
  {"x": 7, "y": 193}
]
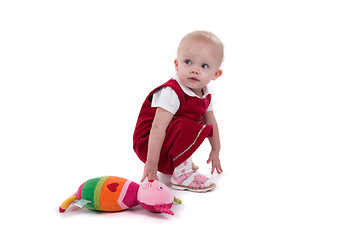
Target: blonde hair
[{"x": 204, "y": 36}]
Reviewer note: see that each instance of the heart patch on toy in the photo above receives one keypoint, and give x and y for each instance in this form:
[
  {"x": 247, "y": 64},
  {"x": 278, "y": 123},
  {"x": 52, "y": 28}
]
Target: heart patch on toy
[{"x": 113, "y": 187}]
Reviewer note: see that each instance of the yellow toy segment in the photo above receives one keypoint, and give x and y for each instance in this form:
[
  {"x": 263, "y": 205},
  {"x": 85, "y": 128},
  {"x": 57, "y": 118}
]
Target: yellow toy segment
[{"x": 67, "y": 203}]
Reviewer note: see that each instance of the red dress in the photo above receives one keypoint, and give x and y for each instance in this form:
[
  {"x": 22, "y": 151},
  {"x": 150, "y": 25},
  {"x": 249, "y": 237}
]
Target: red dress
[{"x": 185, "y": 132}]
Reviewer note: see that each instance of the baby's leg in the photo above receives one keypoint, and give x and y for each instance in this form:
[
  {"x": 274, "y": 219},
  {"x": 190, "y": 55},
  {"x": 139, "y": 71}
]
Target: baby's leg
[
  {"x": 184, "y": 167},
  {"x": 184, "y": 178},
  {"x": 194, "y": 167}
]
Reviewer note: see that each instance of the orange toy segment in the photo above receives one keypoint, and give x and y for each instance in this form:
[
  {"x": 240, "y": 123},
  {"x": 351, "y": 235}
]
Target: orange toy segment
[{"x": 110, "y": 192}]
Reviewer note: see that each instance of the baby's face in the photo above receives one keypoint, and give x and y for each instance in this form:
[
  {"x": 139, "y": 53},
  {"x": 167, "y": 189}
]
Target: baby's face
[{"x": 197, "y": 64}]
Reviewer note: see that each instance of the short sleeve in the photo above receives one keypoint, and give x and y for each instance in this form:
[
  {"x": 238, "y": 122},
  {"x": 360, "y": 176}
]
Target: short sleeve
[
  {"x": 167, "y": 99},
  {"x": 210, "y": 107}
]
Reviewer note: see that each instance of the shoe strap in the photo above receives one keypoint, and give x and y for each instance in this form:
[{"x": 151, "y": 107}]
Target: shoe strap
[{"x": 182, "y": 177}]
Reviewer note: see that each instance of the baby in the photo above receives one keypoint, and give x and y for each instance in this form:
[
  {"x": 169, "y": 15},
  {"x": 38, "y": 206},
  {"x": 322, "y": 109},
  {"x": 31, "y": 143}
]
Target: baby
[{"x": 177, "y": 116}]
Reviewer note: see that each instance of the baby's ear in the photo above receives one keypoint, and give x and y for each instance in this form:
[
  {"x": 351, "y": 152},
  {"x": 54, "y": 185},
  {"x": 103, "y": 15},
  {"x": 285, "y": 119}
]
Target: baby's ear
[
  {"x": 217, "y": 74},
  {"x": 176, "y": 64}
]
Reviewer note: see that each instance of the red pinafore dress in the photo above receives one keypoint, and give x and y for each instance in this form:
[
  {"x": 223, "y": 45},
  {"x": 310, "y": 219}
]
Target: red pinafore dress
[{"x": 185, "y": 132}]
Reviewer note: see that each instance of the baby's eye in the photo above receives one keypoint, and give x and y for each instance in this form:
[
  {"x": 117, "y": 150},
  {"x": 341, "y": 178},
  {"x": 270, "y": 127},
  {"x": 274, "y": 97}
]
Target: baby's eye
[
  {"x": 160, "y": 188},
  {"x": 205, "y": 66},
  {"x": 187, "y": 62}
]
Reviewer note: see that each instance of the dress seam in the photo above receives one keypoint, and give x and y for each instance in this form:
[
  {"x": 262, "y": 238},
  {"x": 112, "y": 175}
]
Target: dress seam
[{"x": 199, "y": 133}]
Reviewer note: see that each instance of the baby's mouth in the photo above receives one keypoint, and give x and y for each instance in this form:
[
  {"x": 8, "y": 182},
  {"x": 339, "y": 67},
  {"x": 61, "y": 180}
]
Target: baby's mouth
[{"x": 194, "y": 79}]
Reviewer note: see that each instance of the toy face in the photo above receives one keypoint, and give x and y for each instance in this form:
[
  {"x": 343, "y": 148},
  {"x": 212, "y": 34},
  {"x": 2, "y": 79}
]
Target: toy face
[{"x": 153, "y": 192}]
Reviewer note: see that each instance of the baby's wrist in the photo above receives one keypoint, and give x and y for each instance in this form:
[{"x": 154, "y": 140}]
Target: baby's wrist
[
  {"x": 215, "y": 151},
  {"x": 152, "y": 162}
]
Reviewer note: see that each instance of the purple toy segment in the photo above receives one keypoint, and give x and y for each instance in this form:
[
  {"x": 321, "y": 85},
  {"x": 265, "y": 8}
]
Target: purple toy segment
[{"x": 130, "y": 198}]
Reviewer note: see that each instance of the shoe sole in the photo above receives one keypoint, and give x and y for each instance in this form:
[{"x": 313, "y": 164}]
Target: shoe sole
[{"x": 199, "y": 190}]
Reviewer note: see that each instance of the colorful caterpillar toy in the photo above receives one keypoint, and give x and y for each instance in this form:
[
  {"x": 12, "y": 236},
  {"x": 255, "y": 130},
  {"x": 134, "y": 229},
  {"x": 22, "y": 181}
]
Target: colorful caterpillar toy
[{"x": 112, "y": 194}]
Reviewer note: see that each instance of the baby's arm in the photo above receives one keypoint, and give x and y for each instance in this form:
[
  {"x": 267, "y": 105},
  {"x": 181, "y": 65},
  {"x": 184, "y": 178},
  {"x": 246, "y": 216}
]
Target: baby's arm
[
  {"x": 215, "y": 142},
  {"x": 156, "y": 138}
]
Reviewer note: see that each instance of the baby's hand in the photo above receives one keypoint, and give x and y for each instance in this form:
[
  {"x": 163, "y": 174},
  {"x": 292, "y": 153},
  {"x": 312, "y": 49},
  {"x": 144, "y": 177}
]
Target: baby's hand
[
  {"x": 150, "y": 171},
  {"x": 216, "y": 162}
]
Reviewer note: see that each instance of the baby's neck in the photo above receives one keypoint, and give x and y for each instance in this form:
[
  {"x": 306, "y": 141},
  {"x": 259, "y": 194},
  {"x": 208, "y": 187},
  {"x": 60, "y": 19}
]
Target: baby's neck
[{"x": 198, "y": 92}]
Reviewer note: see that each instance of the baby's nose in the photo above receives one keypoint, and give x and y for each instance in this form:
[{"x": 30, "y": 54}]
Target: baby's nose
[{"x": 195, "y": 70}]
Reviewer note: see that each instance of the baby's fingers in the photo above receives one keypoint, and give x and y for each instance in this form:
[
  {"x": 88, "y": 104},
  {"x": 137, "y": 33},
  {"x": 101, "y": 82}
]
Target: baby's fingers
[
  {"x": 213, "y": 168},
  {"x": 154, "y": 177},
  {"x": 219, "y": 169},
  {"x": 143, "y": 178}
]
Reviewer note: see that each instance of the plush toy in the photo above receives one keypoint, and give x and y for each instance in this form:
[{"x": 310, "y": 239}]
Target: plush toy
[{"x": 112, "y": 194}]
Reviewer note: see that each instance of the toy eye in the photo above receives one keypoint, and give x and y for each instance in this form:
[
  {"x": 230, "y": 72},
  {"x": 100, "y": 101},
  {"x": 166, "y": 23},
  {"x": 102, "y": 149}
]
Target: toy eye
[{"x": 160, "y": 188}]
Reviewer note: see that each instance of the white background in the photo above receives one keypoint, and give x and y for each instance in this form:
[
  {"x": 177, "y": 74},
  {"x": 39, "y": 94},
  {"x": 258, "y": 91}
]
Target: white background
[{"x": 75, "y": 73}]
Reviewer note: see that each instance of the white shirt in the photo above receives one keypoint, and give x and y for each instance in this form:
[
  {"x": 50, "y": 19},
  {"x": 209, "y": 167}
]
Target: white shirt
[{"x": 167, "y": 98}]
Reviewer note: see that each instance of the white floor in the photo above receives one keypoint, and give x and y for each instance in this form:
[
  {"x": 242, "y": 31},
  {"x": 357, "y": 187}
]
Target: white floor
[{"x": 74, "y": 75}]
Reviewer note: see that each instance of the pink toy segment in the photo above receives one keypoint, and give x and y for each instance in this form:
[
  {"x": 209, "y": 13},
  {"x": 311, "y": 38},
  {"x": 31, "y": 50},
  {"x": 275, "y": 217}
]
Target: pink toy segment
[
  {"x": 130, "y": 198},
  {"x": 154, "y": 193},
  {"x": 163, "y": 208},
  {"x": 122, "y": 195},
  {"x": 61, "y": 210},
  {"x": 78, "y": 195}
]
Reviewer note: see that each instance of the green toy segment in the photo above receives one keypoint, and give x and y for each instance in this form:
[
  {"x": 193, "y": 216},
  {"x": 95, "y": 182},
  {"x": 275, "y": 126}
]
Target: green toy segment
[
  {"x": 97, "y": 192},
  {"x": 89, "y": 191}
]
